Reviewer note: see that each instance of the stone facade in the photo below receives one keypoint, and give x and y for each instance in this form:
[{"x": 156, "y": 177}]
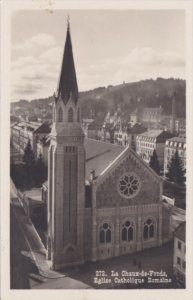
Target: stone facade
[
  {"x": 66, "y": 191},
  {"x": 108, "y": 206}
]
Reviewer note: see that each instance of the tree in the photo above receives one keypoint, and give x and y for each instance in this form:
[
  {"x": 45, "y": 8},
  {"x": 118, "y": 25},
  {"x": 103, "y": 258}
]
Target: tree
[
  {"x": 132, "y": 144},
  {"x": 28, "y": 157},
  {"x": 176, "y": 171},
  {"x": 29, "y": 160},
  {"x": 40, "y": 171},
  {"x": 154, "y": 162}
]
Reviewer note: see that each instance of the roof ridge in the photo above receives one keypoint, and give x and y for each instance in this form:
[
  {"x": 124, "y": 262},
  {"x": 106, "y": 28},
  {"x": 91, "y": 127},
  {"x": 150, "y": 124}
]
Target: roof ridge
[{"x": 137, "y": 157}]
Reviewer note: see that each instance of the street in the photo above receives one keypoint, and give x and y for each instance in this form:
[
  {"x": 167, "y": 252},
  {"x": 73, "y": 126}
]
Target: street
[{"x": 21, "y": 266}]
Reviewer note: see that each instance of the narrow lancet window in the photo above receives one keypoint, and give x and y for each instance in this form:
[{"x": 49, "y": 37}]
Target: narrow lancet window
[
  {"x": 60, "y": 115},
  {"x": 70, "y": 115}
]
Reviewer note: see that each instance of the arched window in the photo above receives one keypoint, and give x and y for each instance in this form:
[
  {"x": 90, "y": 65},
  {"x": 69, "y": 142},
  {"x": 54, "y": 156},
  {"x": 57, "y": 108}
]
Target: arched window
[
  {"x": 105, "y": 233},
  {"x": 60, "y": 115},
  {"x": 149, "y": 229},
  {"x": 70, "y": 115},
  {"x": 78, "y": 115},
  {"x": 128, "y": 231}
]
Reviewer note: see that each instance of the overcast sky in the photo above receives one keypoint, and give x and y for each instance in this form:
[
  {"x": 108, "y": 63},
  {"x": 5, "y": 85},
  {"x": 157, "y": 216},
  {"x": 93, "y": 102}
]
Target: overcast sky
[{"x": 109, "y": 47}]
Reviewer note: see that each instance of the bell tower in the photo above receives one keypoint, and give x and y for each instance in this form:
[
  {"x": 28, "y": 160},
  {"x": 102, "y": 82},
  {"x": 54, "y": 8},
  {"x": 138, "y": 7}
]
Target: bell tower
[{"x": 66, "y": 169}]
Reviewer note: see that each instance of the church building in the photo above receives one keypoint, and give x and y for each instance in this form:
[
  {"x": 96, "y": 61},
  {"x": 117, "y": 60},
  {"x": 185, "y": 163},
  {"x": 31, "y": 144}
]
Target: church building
[{"x": 103, "y": 199}]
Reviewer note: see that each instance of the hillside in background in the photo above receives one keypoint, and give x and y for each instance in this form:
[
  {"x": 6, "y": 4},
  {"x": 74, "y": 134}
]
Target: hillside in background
[{"x": 124, "y": 98}]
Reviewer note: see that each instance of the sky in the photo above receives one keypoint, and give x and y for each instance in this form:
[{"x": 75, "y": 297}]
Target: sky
[{"x": 109, "y": 47}]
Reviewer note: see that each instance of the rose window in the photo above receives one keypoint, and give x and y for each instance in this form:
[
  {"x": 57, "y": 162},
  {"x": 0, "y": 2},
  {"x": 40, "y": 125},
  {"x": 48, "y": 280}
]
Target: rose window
[{"x": 129, "y": 185}]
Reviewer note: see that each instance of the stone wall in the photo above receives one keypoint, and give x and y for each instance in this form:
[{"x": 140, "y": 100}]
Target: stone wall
[
  {"x": 107, "y": 192},
  {"x": 116, "y": 217},
  {"x": 87, "y": 233}
]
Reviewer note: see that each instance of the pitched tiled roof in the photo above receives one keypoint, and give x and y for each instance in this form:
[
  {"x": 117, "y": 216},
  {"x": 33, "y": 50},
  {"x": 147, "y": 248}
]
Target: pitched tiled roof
[
  {"x": 137, "y": 129},
  {"x": 151, "y": 133},
  {"x": 180, "y": 231},
  {"x": 160, "y": 135},
  {"x": 178, "y": 139},
  {"x": 44, "y": 128},
  {"x": 99, "y": 155},
  {"x": 95, "y": 125}
]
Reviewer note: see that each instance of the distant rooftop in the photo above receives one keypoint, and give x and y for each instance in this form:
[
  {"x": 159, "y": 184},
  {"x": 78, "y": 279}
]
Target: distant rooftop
[
  {"x": 96, "y": 124},
  {"x": 180, "y": 231},
  {"x": 152, "y": 109},
  {"x": 44, "y": 128},
  {"x": 151, "y": 133},
  {"x": 178, "y": 139},
  {"x": 137, "y": 129},
  {"x": 33, "y": 126},
  {"x": 160, "y": 135}
]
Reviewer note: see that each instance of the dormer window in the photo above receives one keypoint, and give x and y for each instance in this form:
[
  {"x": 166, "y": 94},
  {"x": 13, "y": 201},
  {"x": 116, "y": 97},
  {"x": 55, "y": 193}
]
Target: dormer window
[
  {"x": 70, "y": 115},
  {"x": 60, "y": 115}
]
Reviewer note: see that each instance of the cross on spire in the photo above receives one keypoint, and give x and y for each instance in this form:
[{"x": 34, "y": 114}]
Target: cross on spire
[{"x": 68, "y": 22}]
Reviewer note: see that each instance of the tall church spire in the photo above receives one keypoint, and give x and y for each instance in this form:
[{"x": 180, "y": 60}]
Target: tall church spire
[{"x": 67, "y": 86}]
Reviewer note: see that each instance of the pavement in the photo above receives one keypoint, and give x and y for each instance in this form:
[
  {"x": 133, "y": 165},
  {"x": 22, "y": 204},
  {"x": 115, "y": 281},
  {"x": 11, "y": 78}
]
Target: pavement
[
  {"x": 35, "y": 248},
  {"x": 83, "y": 277},
  {"x": 178, "y": 216}
]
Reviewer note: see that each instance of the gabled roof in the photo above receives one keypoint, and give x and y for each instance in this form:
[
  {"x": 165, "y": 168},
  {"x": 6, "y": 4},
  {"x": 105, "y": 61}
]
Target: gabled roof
[
  {"x": 96, "y": 125},
  {"x": 151, "y": 133},
  {"x": 180, "y": 231},
  {"x": 67, "y": 86},
  {"x": 177, "y": 139},
  {"x": 44, "y": 128},
  {"x": 164, "y": 136},
  {"x": 137, "y": 129},
  {"x": 158, "y": 134},
  {"x": 99, "y": 155}
]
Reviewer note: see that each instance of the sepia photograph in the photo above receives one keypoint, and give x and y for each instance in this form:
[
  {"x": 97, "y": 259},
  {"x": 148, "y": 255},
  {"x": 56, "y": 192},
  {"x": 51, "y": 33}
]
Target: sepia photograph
[{"x": 98, "y": 157}]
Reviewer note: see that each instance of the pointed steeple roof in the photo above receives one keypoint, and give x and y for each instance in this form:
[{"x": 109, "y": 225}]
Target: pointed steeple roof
[{"x": 67, "y": 85}]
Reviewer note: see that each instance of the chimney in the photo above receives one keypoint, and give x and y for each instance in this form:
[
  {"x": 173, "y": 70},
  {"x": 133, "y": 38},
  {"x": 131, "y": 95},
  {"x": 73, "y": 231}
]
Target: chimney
[{"x": 173, "y": 123}]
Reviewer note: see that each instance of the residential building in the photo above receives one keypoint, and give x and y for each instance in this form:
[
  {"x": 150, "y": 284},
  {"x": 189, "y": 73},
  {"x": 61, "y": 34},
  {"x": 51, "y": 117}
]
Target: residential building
[
  {"x": 133, "y": 132},
  {"x": 85, "y": 124},
  {"x": 171, "y": 146},
  {"x": 23, "y": 132},
  {"x": 179, "y": 263},
  {"x": 134, "y": 117},
  {"x": 121, "y": 136},
  {"x": 151, "y": 117},
  {"x": 95, "y": 129},
  {"x": 152, "y": 140},
  {"x": 179, "y": 125}
]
